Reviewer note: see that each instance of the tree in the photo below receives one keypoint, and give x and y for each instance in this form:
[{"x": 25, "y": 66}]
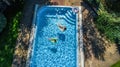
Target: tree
[{"x": 2, "y": 22}]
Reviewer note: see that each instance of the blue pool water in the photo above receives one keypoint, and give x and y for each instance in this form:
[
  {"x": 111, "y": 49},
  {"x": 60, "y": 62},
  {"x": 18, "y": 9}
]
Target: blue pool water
[{"x": 62, "y": 53}]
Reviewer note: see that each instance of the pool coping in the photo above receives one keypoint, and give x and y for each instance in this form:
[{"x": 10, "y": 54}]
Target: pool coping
[
  {"x": 79, "y": 33},
  {"x": 31, "y": 36},
  {"x": 81, "y": 48}
]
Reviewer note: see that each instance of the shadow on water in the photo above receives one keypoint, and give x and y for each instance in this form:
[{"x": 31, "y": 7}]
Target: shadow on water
[
  {"x": 61, "y": 36},
  {"x": 93, "y": 44},
  {"x": 54, "y": 50}
]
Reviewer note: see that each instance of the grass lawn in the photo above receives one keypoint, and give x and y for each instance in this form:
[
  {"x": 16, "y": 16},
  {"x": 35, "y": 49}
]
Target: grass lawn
[{"x": 116, "y": 64}]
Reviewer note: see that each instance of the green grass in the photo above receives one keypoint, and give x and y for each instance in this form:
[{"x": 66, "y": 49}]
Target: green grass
[
  {"x": 116, "y": 64},
  {"x": 8, "y": 40}
]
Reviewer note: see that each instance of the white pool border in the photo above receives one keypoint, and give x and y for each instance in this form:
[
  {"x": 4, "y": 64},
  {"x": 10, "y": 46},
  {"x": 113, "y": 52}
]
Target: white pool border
[
  {"x": 32, "y": 37},
  {"x": 81, "y": 48},
  {"x": 79, "y": 33}
]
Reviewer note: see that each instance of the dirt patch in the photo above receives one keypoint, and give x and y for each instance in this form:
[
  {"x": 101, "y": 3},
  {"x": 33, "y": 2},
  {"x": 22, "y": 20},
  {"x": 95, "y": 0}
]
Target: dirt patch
[
  {"x": 66, "y": 2},
  {"x": 58, "y": 2}
]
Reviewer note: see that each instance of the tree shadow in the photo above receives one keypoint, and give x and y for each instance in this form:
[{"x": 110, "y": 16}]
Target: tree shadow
[
  {"x": 23, "y": 40},
  {"x": 117, "y": 41},
  {"x": 94, "y": 45},
  {"x": 89, "y": 7}
]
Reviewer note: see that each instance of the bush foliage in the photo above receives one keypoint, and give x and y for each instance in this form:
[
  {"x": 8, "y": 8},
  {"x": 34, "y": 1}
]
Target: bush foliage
[
  {"x": 2, "y": 22},
  {"x": 8, "y": 41},
  {"x": 108, "y": 20}
]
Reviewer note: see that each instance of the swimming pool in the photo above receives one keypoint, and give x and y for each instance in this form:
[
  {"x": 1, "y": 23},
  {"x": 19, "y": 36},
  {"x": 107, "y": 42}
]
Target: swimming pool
[{"x": 52, "y": 45}]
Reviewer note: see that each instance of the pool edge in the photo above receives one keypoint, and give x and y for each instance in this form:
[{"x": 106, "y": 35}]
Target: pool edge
[
  {"x": 33, "y": 28},
  {"x": 79, "y": 46}
]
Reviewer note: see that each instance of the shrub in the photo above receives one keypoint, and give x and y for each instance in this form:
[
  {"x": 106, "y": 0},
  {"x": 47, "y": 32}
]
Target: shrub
[
  {"x": 8, "y": 41},
  {"x": 108, "y": 23},
  {"x": 113, "y": 5},
  {"x": 2, "y": 22}
]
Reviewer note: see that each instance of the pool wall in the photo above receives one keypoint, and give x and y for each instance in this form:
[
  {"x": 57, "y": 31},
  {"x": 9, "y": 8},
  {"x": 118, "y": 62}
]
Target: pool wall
[
  {"x": 80, "y": 63},
  {"x": 32, "y": 36}
]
